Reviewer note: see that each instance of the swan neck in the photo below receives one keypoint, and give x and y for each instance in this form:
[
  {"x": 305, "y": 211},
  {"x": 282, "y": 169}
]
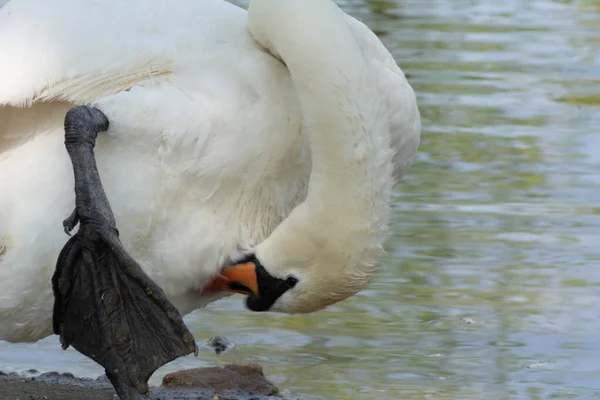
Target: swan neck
[{"x": 337, "y": 96}]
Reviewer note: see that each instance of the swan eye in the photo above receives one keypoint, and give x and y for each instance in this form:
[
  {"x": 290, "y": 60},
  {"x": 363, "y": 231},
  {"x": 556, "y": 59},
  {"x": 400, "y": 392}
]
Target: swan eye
[{"x": 291, "y": 282}]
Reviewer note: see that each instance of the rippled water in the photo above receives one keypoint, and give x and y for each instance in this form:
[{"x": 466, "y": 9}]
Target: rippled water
[{"x": 491, "y": 287}]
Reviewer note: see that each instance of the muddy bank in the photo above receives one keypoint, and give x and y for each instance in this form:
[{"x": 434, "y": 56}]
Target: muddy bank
[
  {"x": 231, "y": 382},
  {"x": 57, "y": 387}
]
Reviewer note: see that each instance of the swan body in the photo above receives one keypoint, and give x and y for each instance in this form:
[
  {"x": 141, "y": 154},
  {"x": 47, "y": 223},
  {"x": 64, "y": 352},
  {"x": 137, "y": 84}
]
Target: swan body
[{"x": 282, "y": 130}]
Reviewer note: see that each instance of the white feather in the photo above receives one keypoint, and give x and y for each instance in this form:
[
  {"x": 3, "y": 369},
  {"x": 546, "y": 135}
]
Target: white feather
[{"x": 207, "y": 151}]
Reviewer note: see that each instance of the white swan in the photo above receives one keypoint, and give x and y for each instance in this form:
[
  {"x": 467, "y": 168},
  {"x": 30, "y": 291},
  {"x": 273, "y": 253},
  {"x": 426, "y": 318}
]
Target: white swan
[{"x": 215, "y": 145}]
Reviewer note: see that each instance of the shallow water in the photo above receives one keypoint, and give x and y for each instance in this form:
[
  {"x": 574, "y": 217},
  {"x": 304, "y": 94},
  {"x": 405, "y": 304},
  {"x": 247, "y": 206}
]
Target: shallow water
[{"x": 491, "y": 286}]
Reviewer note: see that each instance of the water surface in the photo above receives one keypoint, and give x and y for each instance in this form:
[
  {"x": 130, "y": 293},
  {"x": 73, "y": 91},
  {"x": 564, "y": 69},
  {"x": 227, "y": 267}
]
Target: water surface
[{"x": 491, "y": 286}]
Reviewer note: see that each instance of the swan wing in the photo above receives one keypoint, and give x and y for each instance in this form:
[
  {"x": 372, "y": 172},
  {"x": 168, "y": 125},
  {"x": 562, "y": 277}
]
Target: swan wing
[
  {"x": 64, "y": 52},
  {"x": 81, "y": 50}
]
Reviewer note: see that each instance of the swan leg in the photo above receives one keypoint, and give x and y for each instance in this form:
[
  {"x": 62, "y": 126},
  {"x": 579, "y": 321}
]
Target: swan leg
[
  {"x": 124, "y": 391},
  {"x": 105, "y": 306}
]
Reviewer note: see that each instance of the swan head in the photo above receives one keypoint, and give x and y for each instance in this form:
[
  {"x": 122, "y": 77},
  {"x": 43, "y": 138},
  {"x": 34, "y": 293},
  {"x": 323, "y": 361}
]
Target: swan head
[
  {"x": 305, "y": 265},
  {"x": 326, "y": 249}
]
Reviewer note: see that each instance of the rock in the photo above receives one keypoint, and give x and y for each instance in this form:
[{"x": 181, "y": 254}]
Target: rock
[
  {"x": 229, "y": 382},
  {"x": 68, "y": 379},
  {"x": 219, "y": 344},
  {"x": 103, "y": 379}
]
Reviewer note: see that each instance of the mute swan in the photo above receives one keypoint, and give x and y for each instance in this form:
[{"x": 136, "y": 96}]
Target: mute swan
[{"x": 280, "y": 131}]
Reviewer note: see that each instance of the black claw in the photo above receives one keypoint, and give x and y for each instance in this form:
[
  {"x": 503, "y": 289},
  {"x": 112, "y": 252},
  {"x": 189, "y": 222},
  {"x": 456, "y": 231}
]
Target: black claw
[
  {"x": 71, "y": 222},
  {"x": 105, "y": 306}
]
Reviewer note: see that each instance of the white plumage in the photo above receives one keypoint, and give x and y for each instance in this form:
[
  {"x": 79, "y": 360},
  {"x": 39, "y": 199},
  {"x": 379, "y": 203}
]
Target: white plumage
[{"x": 211, "y": 144}]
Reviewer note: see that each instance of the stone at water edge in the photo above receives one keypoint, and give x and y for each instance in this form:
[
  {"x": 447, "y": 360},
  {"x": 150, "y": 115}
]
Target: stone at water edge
[{"x": 248, "y": 380}]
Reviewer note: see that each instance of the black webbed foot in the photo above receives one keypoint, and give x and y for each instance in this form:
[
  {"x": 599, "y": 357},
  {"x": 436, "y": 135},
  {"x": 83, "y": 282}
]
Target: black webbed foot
[{"x": 105, "y": 306}]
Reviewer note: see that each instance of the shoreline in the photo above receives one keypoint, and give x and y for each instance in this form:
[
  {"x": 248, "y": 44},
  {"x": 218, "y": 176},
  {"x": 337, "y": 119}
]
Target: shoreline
[{"x": 230, "y": 382}]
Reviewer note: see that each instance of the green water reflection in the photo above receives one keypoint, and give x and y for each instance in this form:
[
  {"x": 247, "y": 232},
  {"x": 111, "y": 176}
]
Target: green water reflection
[{"x": 491, "y": 282}]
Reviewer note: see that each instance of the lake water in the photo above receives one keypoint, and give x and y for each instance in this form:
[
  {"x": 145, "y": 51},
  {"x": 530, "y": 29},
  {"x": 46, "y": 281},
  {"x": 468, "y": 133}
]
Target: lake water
[{"x": 491, "y": 289}]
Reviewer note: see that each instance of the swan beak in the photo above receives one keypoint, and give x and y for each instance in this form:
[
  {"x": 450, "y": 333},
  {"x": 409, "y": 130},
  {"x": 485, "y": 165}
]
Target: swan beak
[{"x": 240, "y": 278}]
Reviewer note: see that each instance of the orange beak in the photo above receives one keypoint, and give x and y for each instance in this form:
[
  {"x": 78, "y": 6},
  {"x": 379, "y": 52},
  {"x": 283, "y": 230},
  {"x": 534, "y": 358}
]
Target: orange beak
[{"x": 240, "y": 278}]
